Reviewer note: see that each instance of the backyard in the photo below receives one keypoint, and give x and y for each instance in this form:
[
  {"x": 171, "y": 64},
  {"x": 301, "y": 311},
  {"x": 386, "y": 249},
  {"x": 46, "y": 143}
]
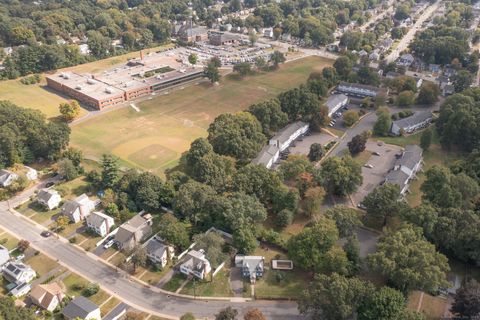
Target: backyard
[{"x": 154, "y": 138}]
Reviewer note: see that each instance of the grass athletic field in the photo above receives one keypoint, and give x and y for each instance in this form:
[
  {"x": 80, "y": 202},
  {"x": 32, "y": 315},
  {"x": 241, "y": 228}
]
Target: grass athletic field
[{"x": 154, "y": 138}]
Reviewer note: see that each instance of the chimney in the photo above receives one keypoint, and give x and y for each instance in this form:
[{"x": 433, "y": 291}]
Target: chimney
[{"x": 141, "y": 55}]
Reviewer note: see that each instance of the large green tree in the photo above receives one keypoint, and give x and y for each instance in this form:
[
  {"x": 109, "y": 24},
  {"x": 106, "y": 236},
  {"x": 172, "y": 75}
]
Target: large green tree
[
  {"x": 342, "y": 176},
  {"x": 383, "y": 202}
]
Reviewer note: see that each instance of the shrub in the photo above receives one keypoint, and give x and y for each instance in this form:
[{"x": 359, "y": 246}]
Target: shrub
[
  {"x": 284, "y": 218},
  {"x": 73, "y": 240},
  {"x": 90, "y": 290}
]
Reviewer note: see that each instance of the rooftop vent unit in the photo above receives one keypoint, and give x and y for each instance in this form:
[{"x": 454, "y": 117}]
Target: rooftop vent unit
[
  {"x": 91, "y": 81},
  {"x": 79, "y": 87},
  {"x": 108, "y": 90},
  {"x": 66, "y": 76}
]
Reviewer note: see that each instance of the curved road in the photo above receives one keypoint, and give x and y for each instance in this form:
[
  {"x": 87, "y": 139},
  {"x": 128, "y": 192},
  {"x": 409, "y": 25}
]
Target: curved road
[{"x": 139, "y": 296}]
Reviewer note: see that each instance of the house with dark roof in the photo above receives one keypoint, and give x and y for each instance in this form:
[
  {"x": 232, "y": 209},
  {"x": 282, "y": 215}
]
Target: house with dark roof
[
  {"x": 405, "y": 168},
  {"x": 217, "y": 38},
  {"x": 134, "y": 231},
  {"x": 100, "y": 223},
  {"x": 189, "y": 33},
  {"x": 81, "y": 308},
  {"x": 405, "y": 60},
  {"x": 419, "y": 120},
  {"x": 78, "y": 209},
  {"x": 49, "y": 198},
  {"x": 18, "y": 272},
  {"x": 158, "y": 251},
  {"x": 252, "y": 266},
  {"x": 358, "y": 90}
]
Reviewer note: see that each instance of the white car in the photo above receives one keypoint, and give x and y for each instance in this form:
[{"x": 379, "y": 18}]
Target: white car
[
  {"x": 108, "y": 244},
  {"x": 368, "y": 166}
]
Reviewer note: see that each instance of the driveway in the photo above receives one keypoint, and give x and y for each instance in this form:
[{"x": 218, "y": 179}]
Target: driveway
[
  {"x": 303, "y": 147},
  {"x": 372, "y": 177},
  {"x": 367, "y": 240},
  {"x": 236, "y": 281}
]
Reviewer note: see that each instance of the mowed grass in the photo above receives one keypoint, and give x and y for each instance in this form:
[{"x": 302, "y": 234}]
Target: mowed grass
[
  {"x": 431, "y": 307},
  {"x": 154, "y": 138}
]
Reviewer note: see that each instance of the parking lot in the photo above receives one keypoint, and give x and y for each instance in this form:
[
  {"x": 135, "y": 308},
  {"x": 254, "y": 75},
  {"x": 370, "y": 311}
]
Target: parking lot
[
  {"x": 303, "y": 146},
  {"x": 380, "y": 165},
  {"x": 337, "y": 117}
]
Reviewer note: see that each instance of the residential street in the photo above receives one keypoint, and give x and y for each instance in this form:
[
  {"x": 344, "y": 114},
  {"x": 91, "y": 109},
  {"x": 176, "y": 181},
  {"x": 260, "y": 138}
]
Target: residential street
[{"x": 137, "y": 295}]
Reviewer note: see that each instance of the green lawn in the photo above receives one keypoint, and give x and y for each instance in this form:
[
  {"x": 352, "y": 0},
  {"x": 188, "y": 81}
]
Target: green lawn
[
  {"x": 109, "y": 306},
  {"x": 154, "y": 138},
  {"x": 174, "y": 283},
  {"x": 42, "y": 264},
  {"x": 153, "y": 277},
  {"x": 277, "y": 284},
  {"x": 8, "y": 241},
  {"x": 37, "y": 213},
  {"x": 219, "y": 287}
]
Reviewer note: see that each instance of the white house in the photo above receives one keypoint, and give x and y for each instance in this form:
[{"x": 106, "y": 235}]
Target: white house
[
  {"x": 18, "y": 272},
  {"x": 20, "y": 290},
  {"x": 49, "y": 198},
  {"x": 81, "y": 308},
  {"x": 7, "y": 177},
  {"x": 47, "y": 296},
  {"x": 79, "y": 208},
  {"x": 405, "y": 168},
  {"x": 288, "y": 134},
  {"x": 84, "y": 49},
  {"x": 335, "y": 102},
  {"x": 267, "y": 156},
  {"x": 196, "y": 264},
  {"x": 100, "y": 223},
  {"x": 159, "y": 252},
  {"x": 418, "y": 120},
  {"x": 268, "y": 32},
  {"x": 31, "y": 174},
  {"x": 4, "y": 256}
]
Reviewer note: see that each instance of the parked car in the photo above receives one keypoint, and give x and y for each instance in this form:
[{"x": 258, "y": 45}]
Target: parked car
[
  {"x": 108, "y": 244},
  {"x": 368, "y": 166},
  {"x": 46, "y": 234},
  {"x": 20, "y": 257},
  {"x": 49, "y": 184},
  {"x": 375, "y": 153}
]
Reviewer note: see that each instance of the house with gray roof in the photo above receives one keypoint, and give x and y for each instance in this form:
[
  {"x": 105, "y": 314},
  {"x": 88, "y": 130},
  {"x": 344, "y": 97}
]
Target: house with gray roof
[
  {"x": 335, "y": 102},
  {"x": 100, "y": 223},
  {"x": 49, "y": 198},
  {"x": 196, "y": 264},
  {"x": 252, "y": 266},
  {"x": 78, "y": 209},
  {"x": 267, "y": 156},
  {"x": 81, "y": 308},
  {"x": 7, "y": 177},
  {"x": 288, "y": 134},
  {"x": 358, "y": 90},
  {"x": 405, "y": 60},
  {"x": 158, "y": 251},
  {"x": 417, "y": 121},
  {"x": 134, "y": 231},
  {"x": 405, "y": 168}
]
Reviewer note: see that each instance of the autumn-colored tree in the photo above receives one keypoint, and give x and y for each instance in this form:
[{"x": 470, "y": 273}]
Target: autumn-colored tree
[
  {"x": 254, "y": 314},
  {"x": 23, "y": 245}
]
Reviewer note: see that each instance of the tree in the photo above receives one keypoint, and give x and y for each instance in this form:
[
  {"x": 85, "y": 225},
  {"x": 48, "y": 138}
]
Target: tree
[
  {"x": 254, "y": 314},
  {"x": 406, "y": 98},
  {"x": 467, "y": 300},
  {"x": 308, "y": 248},
  {"x": 386, "y": 303},
  {"x": 174, "y": 232},
  {"x": 237, "y": 135},
  {"x": 284, "y": 218},
  {"x": 276, "y": 58},
  {"x": 342, "y": 176},
  {"x": 212, "y": 243},
  {"x": 260, "y": 63},
  {"x": 333, "y": 297},
  {"x": 69, "y": 110},
  {"x": 187, "y": 316},
  {"x": 252, "y": 37},
  {"x": 313, "y": 200},
  {"x": 383, "y": 124},
  {"x": 110, "y": 171},
  {"x": 357, "y": 144},
  {"x": 242, "y": 68},
  {"x": 383, "y": 202},
  {"x": 350, "y": 117},
  {"x": 270, "y": 115},
  {"x": 198, "y": 148},
  {"x": 67, "y": 169},
  {"x": 62, "y": 222},
  {"x": 192, "y": 201},
  {"x": 462, "y": 80},
  {"x": 8, "y": 310},
  {"x": 428, "y": 94},
  {"x": 346, "y": 219},
  {"x": 211, "y": 71},
  {"x": 23, "y": 245},
  {"x": 227, "y": 314},
  {"x": 343, "y": 66},
  {"x": 299, "y": 103},
  {"x": 316, "y": 152},
  {"x": 138, "y": 257},
  {"x": 74, "y": 155},
  {"x": 91, "y": 289},
  {"x": 352, "y": 250},
  {"x": 426, "y": 139},
  {"x": 438, "y": 189},
  {"x": 193, "y": 58},
  {"x": 397, "y": 258},
  {"x": 244, "y": 240}
]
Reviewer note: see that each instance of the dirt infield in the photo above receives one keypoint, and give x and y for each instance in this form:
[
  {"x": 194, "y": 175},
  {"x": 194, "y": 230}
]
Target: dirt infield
[{"x": 154, "y": 138}]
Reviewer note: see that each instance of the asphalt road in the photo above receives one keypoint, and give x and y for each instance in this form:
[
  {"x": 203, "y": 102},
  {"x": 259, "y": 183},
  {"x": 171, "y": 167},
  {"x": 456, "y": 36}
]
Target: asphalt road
[{"x": 148, "y": 299}]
